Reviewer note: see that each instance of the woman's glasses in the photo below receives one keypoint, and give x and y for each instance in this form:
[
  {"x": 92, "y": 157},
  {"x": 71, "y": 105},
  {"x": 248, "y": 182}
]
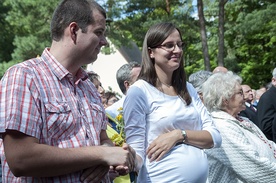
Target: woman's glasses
[
  {"x": 239, "y": 93},
  {"x": 170, "y": 46}
]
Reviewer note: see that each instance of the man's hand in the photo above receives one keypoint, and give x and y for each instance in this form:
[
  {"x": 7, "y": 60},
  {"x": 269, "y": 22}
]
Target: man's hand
[
  {"x": 113, "y": 173},
  {"x": 94, "y": 174},
  {"x": 132, "y": 157},
  {"x": 125, "y": 158}
]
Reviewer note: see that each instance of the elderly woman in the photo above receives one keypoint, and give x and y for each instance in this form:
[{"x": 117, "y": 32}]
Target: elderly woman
[
  {"x": 245, "y": 155},
  {"x": 197, "y": 79}
]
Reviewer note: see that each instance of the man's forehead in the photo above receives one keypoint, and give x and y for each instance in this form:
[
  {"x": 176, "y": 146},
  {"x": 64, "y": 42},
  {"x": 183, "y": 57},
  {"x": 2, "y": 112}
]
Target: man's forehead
[
  {"x": 99, "y": 19},
  {"x": 246, "y": 87}
]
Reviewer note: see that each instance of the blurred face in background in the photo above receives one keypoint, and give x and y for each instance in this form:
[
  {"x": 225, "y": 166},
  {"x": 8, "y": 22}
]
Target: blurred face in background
[
  {"x": 273, "y": 81},
  {"x": 248, "y": 93},
  {"x": 100, "y": 89},
  {"x": 111, "y": 101}
]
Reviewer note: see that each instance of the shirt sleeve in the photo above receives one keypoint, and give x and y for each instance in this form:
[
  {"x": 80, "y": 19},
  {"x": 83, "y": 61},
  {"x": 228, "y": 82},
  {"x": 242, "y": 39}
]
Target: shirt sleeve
[
  {"x": 19, "y": 103},
  {"x": 134, "y": 111},
  {"x": 205, "y": 116}
]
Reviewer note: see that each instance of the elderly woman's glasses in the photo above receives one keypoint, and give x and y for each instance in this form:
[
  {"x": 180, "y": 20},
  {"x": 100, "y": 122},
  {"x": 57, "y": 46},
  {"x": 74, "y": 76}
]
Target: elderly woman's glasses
[
  {"x": 239, "y": 93},
  {"x": 170, "y": 46}
]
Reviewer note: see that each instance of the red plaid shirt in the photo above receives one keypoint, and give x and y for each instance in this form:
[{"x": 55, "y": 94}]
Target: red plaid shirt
[{"x": 40, "y": 98}]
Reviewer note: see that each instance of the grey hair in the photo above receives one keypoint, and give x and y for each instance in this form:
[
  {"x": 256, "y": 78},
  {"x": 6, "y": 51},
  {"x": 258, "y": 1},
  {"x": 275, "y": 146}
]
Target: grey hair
[
  {"x": 219, "y": 87},
  {"x": 198, "y": 78},
  {"x": 124, "y": 74}
]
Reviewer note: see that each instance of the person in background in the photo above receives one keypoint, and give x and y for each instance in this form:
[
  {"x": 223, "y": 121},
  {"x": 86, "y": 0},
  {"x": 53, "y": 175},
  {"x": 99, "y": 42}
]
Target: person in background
[
  {"x": 220, "y": 69},
  {"x": 165, "y": 121},
  {"x": 268, "y": 85},
  {"x": 267, "y": 110},
  {"x": 126, "y": 76},
  {"x": 262, "y": 89},
  {"x": 108, "y": 99},
  {"x": 95, "y": 78},
  {"x": 53, "y": 125},
  {"x": 111, "y": 98},
  {"x": 250, "y": 111},
  {"x": 245, "y": 155},
  {"x": 258, "y": 95},
  {"x": 197, "y": 79},
  {"x": 254, "y": 97}
]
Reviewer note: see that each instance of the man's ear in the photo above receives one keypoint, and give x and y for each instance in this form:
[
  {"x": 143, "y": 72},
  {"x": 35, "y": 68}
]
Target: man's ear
[
  {"x": 273, "y": 81},
  {"x": 126, "y": 84},
  {"x": 73, "y": 27}
]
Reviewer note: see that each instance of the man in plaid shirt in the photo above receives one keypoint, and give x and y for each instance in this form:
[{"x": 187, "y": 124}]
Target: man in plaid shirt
[{"x": 53, "y": 124}]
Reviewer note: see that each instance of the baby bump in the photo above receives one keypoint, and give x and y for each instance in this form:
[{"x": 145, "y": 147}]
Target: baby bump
[{"x": 182, "y": 164}]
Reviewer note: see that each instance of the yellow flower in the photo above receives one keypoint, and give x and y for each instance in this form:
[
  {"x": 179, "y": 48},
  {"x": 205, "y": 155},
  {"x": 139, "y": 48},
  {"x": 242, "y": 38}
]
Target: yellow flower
[
  {"x": 121, "y": 124},
  {"x": 117, "y": 139},
  {"x": 119, "y": 117},
  {"x": 114, "y": 136}
]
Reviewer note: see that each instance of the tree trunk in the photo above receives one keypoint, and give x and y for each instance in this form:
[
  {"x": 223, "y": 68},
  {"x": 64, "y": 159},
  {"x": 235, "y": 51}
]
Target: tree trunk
[
  {"x": 203, "y": 35},
  {"x": 221, "y": 32},
  {"x": 168, "y": 8}
]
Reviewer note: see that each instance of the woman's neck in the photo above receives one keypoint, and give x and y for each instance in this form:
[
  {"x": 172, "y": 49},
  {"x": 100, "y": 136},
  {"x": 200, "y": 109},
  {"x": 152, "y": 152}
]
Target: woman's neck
[
  {"x": 231, "y": 112},
  {"x": 167, "y": 84}
]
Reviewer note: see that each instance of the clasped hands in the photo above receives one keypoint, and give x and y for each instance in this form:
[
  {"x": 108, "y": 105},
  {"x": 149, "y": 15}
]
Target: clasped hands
[
  {"x": 129, "y": 166},
  {"x": 120, "y": 160}
]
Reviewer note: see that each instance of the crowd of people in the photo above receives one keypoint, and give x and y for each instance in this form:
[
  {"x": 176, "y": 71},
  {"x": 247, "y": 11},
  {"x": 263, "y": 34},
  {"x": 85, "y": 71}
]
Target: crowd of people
[
  {"x": 58, "y": 123},
  {"x": 246, "y": 154},
  {"x": 53, "y": 123}
]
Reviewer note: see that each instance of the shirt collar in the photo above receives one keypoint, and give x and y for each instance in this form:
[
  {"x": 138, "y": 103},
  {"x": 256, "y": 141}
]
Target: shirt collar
[
  {"x": 247, "y": 104},
  {"x": 60, "y": 71}
]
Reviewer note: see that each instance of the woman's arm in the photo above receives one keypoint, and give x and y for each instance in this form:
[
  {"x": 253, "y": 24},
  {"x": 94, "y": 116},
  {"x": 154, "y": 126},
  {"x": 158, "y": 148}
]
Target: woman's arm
[
  {"x": 134, "y": 111},
  {"x": 209, "y": 136},
  {"x": 165, "y": 142}
]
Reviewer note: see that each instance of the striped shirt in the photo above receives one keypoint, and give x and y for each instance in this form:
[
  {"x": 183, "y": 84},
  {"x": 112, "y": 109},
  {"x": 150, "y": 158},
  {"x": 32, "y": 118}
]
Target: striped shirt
[{"x": 40, "y": 98}]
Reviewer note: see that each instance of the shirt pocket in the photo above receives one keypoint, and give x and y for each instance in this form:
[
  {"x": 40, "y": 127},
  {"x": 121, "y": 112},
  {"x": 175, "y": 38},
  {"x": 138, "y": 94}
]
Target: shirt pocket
[
  {"x": 98, "y": 117},
  {"x": 60, "y": 121}
]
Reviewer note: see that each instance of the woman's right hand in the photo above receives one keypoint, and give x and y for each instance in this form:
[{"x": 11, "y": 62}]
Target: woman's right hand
[{"x": 163, "y": 144}]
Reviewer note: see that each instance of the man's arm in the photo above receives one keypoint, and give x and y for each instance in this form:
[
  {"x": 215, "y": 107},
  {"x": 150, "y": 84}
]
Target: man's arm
[
  {"x": 123, "y": 170},
  {"x": 265, "y": 115},
  {"x": 105, "y": 141},
  {"x": 26, "y": 157}
]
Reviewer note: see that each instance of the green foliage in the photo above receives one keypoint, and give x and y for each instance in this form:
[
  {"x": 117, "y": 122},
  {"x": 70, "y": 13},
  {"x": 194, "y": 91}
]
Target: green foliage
[
  {"x": 139, "y": 15},
  {"x": 4, "y": 66},
  {"x": 30, "y": 45},
  {"x": 30, "y": 20},
  {"x": 251, "y": 33},
  {"x": 250, "y": 27},
  {"x": 6, "y": 34}
]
